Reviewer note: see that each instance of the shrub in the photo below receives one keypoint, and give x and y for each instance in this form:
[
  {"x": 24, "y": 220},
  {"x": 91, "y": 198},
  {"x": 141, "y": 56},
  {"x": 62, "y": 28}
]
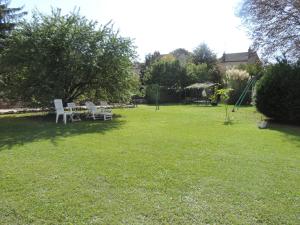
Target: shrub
[
  {"x": 151, "y": 93},
  {"x": 278, "y": 92},
  {"x": 165, "y": 95}
]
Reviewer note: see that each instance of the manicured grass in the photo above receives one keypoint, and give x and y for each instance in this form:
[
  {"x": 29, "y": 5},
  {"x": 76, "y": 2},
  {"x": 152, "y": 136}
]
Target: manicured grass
[{"x": 179, "y": 165}]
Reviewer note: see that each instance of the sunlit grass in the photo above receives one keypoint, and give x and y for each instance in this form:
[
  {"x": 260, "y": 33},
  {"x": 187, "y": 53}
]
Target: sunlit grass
[{"x": 178, "y": 165}]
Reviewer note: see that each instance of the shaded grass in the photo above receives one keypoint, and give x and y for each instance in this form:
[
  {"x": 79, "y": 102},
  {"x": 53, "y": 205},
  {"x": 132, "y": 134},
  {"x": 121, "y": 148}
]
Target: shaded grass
[
  {"x": 22, "y": 128},
  {"x": 178, "y": 165}
]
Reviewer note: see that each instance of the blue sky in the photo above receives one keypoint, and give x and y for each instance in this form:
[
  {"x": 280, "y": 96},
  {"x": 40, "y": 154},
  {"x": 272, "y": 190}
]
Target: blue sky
[{"x": 161, "y": 25}]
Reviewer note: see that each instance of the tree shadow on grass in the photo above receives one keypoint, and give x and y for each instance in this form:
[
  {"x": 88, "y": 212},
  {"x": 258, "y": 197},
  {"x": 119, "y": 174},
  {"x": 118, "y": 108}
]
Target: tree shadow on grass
[
  {"x": 26, "y": 128},
  {"x": 290, "y": 132}
]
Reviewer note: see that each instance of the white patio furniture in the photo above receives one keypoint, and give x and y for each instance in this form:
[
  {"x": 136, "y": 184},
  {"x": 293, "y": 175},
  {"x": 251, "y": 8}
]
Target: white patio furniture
[
  {"x": 96, "y": 113},
  {"x": 59, "y": 108},
  {"x": 73, "y": 108},
  {"x": 105, "y": 107}
]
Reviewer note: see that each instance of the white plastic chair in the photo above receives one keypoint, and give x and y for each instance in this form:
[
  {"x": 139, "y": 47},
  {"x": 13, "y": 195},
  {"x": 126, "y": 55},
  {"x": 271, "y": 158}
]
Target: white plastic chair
[
  {"x": 105, "y": 106},
  {"x": 73, "y": 109},
  {"x": 98, "y": 113},
  {"x": 59, "y": 108}
]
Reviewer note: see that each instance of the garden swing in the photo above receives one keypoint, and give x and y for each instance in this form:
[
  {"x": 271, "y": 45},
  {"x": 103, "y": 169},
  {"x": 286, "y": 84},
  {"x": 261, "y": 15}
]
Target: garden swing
[{"x": 249, "y": 88}]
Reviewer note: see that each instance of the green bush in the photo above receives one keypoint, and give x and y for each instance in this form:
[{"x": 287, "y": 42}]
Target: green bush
[
  {"x": 165, "y": 95},
  {"x": 278, "y": 92}
]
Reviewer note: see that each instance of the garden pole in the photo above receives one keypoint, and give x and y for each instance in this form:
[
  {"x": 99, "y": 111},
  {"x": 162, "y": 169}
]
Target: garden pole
[{"x": 157, "y": 96}]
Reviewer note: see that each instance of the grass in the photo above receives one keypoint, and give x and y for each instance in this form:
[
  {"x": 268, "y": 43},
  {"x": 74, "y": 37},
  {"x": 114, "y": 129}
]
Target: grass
[{"x": 179, "y": 165}]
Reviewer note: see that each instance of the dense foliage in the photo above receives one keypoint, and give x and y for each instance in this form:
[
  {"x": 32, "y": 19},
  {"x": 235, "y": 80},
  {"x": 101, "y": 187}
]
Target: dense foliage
[
  {"x": 254, "y": 70},
  {"x": 161, "y": 94},
  {"x": 183, "y": 55},
  {"x": 178, "y": 69},
  {"x": 167, "y": 73},
  {"x": 149, "y": 60},
  {"x": 278, "y": 92},
  {"x": 67, "y": 57},
  {"x": 203, "y": 54}
]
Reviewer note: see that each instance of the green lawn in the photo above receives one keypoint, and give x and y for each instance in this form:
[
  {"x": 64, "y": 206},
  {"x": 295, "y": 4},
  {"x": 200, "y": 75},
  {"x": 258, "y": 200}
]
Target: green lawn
[{"x": 179, "y": 165}]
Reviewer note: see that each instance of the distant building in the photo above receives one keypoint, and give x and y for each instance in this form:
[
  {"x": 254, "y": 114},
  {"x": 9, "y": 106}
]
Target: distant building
[{"x": 230, "y": 60}]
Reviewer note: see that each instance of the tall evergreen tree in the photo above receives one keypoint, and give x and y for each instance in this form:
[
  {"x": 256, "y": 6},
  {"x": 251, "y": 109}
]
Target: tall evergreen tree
[
  {"x": 203, "y": 54},
  {"x": 9, "y": 17}
]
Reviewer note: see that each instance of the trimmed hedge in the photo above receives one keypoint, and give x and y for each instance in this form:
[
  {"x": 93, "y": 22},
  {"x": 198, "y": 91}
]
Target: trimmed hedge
[{"x": 278, "y": 92}]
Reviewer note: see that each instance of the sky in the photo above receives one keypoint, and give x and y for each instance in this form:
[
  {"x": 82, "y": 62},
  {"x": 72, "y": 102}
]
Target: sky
[{"x": 161, "y": 25}]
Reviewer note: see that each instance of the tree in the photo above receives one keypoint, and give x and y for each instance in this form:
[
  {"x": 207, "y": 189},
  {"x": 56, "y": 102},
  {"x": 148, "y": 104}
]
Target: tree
[
  {"x": 167, "y": 58},
  {"x": 67, "y": 57},
  {"x": 168, "y": 73},
  {"x": 197, "y": 73},
  {"x": 182, "y": 55},
  {"x": 274, "y": 26},
  {"x": 255, "y": 70},
  {"x": 8, "y": 17},
  {"x": 149, "y": 60},
  {"x": 203, "y": 54},
  {"x": 224, "y": 95}
]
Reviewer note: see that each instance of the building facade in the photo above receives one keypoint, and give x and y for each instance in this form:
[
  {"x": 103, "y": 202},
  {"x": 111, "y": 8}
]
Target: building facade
[{"x": 231, "y": 60}]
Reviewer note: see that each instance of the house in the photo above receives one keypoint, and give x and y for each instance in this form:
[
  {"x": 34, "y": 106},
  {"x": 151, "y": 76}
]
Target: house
[{"x": 230, "y": 60}]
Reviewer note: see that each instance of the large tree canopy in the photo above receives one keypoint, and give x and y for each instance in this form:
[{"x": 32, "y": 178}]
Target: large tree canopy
[
  {"x": 167, "y": 72},
  {"x": 67, "y": 57},
  {"x": 274, "y": 26}
]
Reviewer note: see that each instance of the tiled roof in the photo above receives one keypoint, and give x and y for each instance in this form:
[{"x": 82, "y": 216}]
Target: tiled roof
[{"x": 236, "y": 57}]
